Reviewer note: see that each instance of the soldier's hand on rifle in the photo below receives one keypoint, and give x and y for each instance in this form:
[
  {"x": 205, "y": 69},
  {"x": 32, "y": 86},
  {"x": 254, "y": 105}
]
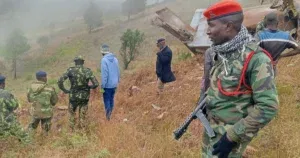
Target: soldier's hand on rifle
[{"x": 223, "y": 147}]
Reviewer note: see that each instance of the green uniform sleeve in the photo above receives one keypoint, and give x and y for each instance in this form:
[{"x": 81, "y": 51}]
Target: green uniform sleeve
[
  {"x": 12, "y": 103},
  {"x": 29, "y": 95},
  {"x": 260, "y": 74},
  {"x": 54, "y": 97},
  {"x": 61, "y": 80}
]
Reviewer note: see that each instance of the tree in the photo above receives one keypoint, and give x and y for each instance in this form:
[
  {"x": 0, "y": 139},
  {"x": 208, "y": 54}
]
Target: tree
[
  {"x": 131, "y": 40},
  {"x": 130, "y": 7},
  {"x": 93, "y": 17},
  {"x": 43, "y": 41},
  {"x": 16, "y": 45}
]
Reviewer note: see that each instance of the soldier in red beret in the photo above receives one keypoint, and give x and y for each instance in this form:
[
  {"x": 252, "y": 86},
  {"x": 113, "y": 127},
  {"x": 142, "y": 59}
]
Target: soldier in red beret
[{"x": 242, "y": 97}]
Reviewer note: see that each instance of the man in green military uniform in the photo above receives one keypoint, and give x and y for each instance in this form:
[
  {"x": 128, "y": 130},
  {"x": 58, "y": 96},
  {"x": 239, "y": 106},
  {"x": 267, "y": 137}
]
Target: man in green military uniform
[
  {"x": 43, "y": 97},
  {"x": 9, "y": 125},
  {"x": 79, "y": 92},
  {"x": 242, "y": 96}
]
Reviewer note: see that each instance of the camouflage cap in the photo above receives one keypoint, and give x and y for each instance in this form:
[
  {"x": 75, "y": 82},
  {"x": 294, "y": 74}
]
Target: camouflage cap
[
  {"x": 78, "y": 58},
  {"x": 2, "y": 79}
]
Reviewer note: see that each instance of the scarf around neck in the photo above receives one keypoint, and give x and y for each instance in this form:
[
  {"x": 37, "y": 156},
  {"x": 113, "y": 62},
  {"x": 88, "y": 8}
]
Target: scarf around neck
[{"x": 240, "y": 40}]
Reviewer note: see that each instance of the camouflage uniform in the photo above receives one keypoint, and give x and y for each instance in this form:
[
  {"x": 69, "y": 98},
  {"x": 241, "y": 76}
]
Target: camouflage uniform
[
  {"x": 260, "y": 26},
  {"x": 79, "y": 93},
  {"x": 8, "y": 121},
  {"x": 43, "y": 97},
  {"x": 243, "y": 115}
]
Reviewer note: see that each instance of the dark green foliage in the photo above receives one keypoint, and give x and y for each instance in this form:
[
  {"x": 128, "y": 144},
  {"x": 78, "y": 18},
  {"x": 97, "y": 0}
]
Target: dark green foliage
[{"x": 131, "y": 40}]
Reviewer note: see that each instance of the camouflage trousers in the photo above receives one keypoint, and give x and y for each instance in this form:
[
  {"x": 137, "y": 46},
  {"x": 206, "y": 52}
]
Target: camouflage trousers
[
  {"x": 207, "y": 142},
  {"x": 14, "y": 129},
  {"x": 45, "y": 124},
  {"x": 82, "y": 107}
]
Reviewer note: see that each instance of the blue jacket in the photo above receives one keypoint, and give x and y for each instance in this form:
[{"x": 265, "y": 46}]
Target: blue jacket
[
  {"x": 275, "y": 42},
  {"x": 110, "y": 73}
]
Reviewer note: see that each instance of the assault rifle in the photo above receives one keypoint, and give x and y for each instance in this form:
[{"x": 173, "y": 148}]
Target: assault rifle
[{"x": 197, "y": 113}]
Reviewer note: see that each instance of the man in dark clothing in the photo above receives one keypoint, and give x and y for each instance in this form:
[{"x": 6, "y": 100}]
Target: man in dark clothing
[
  {"x": 163, "y": 65},
  {"x": 274, "y": 40}
]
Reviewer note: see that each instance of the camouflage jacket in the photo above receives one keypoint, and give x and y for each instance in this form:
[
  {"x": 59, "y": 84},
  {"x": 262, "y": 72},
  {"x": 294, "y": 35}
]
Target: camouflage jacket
[
  {"x": 79, "y": 77},
  {"x": 7, "y": 106},
  {"x": 247, "y": 112},
  {"x": 260, "y": 26},
  {"x": 43, "y": 97}
]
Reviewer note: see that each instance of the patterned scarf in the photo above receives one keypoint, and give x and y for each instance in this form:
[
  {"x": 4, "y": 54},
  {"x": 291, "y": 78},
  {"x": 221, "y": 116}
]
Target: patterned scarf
[{"x": 242, "y": 38}]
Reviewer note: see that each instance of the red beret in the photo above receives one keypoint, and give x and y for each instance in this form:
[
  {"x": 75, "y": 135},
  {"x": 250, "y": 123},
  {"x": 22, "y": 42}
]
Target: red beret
[{"x": 222, "y": 8}]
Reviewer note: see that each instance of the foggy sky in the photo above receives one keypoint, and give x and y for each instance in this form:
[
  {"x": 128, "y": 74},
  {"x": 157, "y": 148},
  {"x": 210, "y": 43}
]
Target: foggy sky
[{"x": 31, "y": 15}]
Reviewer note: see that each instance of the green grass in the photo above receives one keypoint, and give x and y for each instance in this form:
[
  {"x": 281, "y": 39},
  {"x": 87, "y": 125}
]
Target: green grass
[
  {"x": 182, "y": 56},
  {"x": 103, "y": 153}
]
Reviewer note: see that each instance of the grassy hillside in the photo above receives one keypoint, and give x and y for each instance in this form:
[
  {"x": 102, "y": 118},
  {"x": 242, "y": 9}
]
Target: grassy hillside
[{"x": 137, "y": 129}]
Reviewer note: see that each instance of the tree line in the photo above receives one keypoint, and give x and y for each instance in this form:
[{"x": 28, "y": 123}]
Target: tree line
[{"x": 17, "y": 43}]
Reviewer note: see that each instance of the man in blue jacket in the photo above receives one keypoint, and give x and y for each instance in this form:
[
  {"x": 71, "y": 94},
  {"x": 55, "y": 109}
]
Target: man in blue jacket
[
  {"x": 110, "y": 77},
  {"x": 274, "y": 40},
  {"x": 163, "y": 65}
]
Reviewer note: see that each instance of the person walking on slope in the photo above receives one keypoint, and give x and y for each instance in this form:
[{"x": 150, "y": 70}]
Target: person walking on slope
[
  {"x": 163, "y": 65},
  {"x": 43, "y": 97},
  {"x": 242, "y": 96},
  {"x": 110, "y": 78},
  {"x": 274, "y": 40},
  {"x": 79, "y": 93},
  {"x": 9, "y": 125}
]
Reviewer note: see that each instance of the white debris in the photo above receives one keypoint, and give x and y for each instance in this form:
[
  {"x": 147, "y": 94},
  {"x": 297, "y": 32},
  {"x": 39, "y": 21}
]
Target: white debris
[
  {"x": 161, "y": 115},
  {"x": 156, "y": 107}
]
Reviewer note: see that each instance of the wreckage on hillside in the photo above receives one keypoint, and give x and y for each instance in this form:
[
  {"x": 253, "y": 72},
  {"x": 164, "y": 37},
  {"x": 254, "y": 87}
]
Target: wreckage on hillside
[{"x": 194, "y": 35}]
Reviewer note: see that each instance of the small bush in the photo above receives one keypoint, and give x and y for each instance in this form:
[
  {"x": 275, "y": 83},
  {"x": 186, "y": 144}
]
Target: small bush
[
  {"x": 101, "y": 154},
  {"x": 131, "y": 41},
  {"x": 184, "y": 56},
  {"x": 75, "y": 140}
]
